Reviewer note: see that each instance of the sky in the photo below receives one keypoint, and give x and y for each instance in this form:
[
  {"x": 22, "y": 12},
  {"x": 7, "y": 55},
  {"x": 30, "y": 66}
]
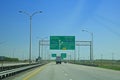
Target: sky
[{"x": 60, "y": 18}]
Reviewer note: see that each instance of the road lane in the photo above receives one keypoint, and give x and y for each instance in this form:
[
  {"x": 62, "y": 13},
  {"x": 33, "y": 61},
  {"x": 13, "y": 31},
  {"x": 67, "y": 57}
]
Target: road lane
[
  {"x": 52, "y": 72},
  {"x": 79, "y": 72},
  {"x": 63, "y": 71}
]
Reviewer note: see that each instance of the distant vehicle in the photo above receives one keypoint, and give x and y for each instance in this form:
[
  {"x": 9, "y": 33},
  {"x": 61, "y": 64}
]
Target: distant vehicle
[
  {"x": 65, "y": 61},
  {"x": 58, "y": 60}
]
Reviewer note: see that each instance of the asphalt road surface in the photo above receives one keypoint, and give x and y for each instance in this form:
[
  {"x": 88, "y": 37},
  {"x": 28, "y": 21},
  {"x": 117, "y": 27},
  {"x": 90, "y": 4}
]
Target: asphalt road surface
[{"x": 67, "y": 71}]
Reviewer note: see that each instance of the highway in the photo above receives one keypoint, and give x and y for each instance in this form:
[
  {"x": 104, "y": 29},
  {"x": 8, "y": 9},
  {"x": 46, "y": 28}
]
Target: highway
[{"x": 68, "y": 71}]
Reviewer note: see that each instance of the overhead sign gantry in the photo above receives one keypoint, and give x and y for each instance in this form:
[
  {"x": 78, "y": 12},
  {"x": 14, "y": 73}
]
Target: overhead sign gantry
[{"x": 62, "y": 42}]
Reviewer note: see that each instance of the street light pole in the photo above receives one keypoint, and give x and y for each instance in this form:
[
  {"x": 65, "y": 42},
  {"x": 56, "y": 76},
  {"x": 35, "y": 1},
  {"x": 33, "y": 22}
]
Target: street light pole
[
  {"x": 41, "y": 42},
  {"x": 91, "y": 56},
  {"x": 39, "y": 50},
  {"x": 30, "y": 39},
  {"x": 78, "y": 52},
  {"x": 91, "y": 45},
  {"x": 30, "y": 16}
]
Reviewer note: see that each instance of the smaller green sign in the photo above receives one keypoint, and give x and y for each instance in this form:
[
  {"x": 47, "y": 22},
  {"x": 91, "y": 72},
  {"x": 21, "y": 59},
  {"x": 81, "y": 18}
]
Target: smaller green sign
[
  {"x": 63, "y": 55},
  {"x": 53, "y": 55}
]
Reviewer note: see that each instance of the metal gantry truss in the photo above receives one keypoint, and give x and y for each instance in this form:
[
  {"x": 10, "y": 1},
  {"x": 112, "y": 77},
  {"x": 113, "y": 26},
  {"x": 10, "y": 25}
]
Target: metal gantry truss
[{"x": 43, "y": 43}]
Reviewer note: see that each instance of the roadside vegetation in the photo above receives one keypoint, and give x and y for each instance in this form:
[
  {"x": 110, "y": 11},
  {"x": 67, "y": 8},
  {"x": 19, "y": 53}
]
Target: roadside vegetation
[
  {"x": 8, "y": 59},
  {"x": 108, "y": 64}
]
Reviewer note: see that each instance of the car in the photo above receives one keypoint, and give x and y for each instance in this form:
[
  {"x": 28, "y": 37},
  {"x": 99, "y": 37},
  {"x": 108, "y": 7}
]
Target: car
[{"x": 58, "y": 60}]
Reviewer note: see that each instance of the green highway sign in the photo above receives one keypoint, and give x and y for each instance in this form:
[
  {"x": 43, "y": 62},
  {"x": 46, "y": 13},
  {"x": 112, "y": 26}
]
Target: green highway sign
[
  {"x": 53, "y": 55},
  {"x": 62, "y": 42},
  {"x": 63, "y": 55}
]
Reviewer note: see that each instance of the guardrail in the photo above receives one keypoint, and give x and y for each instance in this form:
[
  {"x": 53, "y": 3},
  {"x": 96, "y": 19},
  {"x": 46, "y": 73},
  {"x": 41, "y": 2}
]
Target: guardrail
[
  {"x": 3, "y": 68},
  {"x": 12, "y": 72}
]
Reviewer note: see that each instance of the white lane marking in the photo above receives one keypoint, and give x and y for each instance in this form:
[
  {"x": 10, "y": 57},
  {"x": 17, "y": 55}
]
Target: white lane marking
[
  {"x": 66, "y": 74},
  {"x": 70, "y": 79}
]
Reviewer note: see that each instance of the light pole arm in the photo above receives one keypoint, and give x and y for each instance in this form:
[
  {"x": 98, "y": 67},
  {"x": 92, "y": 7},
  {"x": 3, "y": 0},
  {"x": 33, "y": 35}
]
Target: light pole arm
[
  {"x": 36, "y": 13},
  {"x": 91, "y": 47},
  {"x": 24, "y": 13},
  {"x": 29, "y": 14}
]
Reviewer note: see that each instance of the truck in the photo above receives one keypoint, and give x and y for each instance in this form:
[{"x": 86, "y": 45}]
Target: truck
[{"x": 58, "y": 60}]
